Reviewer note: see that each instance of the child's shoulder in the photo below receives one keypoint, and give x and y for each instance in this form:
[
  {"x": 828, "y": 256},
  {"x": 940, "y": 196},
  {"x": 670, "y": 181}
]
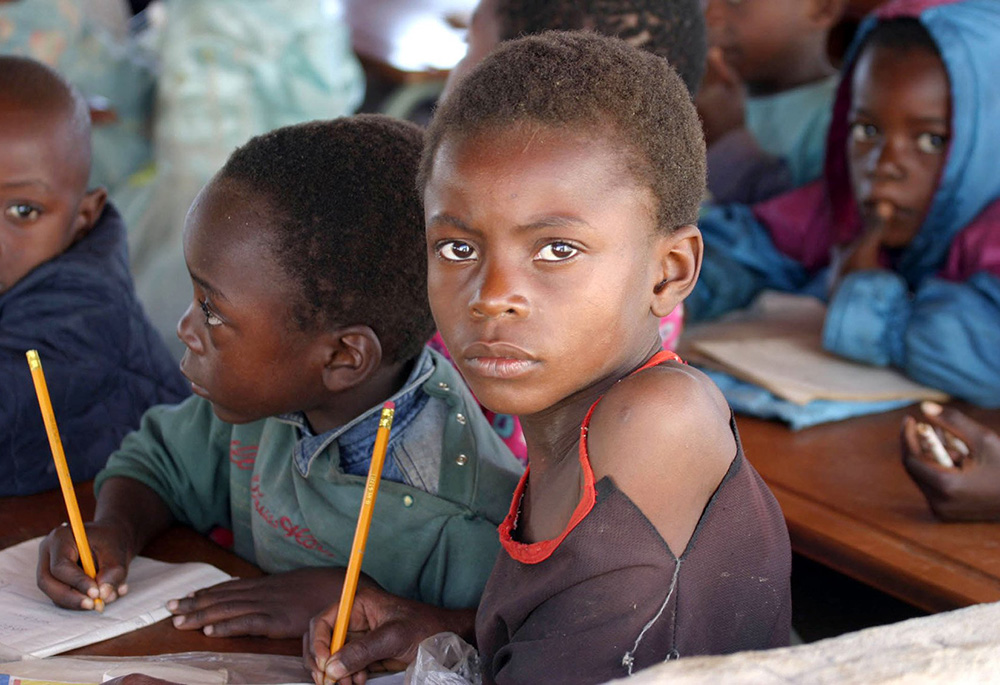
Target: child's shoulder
[{"x": 664, "y": 437}]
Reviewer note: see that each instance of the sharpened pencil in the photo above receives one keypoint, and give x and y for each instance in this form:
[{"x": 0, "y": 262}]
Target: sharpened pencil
[
  {"x": 62, "y": 469},
  {"x": 361, "y": 532}
]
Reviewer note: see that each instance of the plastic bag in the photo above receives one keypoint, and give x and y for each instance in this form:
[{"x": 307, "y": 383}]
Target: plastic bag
[{"x": 444, "y": 659}]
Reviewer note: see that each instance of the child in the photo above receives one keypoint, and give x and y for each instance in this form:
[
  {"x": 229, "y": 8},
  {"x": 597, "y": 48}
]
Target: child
[
  {"x": 907, "y": 222},
  {"x": 561, "y": 183},
  {"x": 309, "y": 312},
  {"x": 65, "y": 290},
  {"x": 778, "y": 50},
  {"x": 672, "y": 29}
]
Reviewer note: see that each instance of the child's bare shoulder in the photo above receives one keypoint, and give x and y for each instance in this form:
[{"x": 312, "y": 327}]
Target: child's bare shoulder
[{"x": 664, "y": 437}]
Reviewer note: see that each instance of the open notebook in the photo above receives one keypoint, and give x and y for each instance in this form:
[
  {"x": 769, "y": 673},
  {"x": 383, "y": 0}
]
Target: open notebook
[
  {"x": 776, "y": 343},
  {"x": 31, "y": 626}
]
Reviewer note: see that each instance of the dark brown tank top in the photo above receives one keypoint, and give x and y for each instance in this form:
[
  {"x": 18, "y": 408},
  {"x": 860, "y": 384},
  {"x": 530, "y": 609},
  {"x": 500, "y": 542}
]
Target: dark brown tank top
[{"x": 608, "y": 597}]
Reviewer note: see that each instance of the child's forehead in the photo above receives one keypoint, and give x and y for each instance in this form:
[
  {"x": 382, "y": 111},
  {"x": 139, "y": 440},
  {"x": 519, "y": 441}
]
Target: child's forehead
[
  {"x": 46, "y": 141},
  {"x": 880, "y": 67}
]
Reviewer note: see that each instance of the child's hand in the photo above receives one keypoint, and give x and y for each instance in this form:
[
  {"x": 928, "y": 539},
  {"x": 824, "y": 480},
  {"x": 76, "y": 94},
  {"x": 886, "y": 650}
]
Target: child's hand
[
  {"x": 969, "y": 491},
  {"x": 275, "y": 606},
  {"x": 61, "y": 578},
  {"x": 721, "y": 98},
  {"x": 383, "y": 635},
  {"x": 860, "y": 255}
]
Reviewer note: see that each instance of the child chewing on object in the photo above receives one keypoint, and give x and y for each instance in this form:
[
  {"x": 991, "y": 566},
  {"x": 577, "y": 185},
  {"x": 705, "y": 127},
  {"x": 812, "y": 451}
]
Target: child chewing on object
[
  {"x": 310, "y": 310},
  {"x": 561, "y": 184},
  {"x": 903, "y": 235}
]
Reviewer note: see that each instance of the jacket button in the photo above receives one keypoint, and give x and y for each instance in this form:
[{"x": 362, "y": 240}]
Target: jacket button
[
  {"x": 407, "y": 501},
  {"x": 460, "y": 418},
  {"x": 461, "y": 460},
  {"x": 443, "y": 386}
]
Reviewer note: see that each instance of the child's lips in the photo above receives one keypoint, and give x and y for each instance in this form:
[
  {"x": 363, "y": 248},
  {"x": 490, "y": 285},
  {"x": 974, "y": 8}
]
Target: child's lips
[{"x": 498, "y": 360}]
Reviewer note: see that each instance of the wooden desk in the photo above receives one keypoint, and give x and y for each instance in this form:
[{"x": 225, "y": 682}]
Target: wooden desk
[
  {"x": 408, "y": 41},
  {"x": 23, "y": 518},
  {"x": 850, "y": 505}
]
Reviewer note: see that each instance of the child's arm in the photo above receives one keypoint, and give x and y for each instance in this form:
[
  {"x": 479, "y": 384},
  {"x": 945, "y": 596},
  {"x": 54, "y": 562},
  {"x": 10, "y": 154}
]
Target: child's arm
[
  {"x": 945, "y": 335},
  {"x": 173, "y": 468},
  {"x": 740, "y": 260},
  {"x": 128, "y": 515},
  {"x": 663, "y": 436}
]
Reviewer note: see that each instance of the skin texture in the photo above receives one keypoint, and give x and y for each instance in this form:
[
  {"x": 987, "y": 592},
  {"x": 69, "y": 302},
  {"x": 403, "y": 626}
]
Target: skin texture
[
  {"x": 44, "y": 204},
  {"x": 773, "y": 45},
  {"x": 547, "y": 277},
  {"x": 969, "y": 491},
  {"x": 247, "y": 357},
  {"x": 900, "y": 126}
]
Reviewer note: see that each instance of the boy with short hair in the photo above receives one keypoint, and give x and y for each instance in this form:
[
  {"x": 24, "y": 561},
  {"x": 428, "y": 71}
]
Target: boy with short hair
[
  {"x": 903, "y": 234},
  {"x": 777, "y": 50},
  {"x": 65, "y": 290},
  {"x": 310, "y": 310}
]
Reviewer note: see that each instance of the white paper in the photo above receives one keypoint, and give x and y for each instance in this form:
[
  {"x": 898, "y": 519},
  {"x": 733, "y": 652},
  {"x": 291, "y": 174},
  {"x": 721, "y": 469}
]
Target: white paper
[{"x": 31, "y": 626}]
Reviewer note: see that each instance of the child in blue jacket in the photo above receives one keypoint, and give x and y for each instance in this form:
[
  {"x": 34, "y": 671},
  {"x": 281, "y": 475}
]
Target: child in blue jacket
[
  {"x": 903, "y": 232},
  {"x": 66, "y": 291}
]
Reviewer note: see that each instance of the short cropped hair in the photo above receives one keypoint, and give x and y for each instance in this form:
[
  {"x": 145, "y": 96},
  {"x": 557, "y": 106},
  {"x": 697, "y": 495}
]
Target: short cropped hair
[
  {"x": 348, "y": 223},
  {"x": 901, "y": 34},
  {"x": 672, "y": 29},
  {"x": 32, "y": 86},
  {"x": 581, "y": 80}
]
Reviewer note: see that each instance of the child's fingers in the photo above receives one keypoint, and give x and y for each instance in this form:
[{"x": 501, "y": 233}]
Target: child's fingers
[
  {"x": 930, "y": 476},
  {"x": 955, "y": 422},
  {"x": 59, "y": 574},
  {"x": 910, "y": 439}
]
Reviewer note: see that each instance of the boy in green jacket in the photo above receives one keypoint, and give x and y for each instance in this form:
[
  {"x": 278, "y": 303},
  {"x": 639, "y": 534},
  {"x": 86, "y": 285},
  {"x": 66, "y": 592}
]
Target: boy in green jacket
[{"x": 308, "y": 261}]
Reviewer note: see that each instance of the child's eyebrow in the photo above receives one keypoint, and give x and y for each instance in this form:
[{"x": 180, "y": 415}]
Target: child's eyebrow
[
  {"x": 554, "y": 221},
  {"x": 207, "y": 287},
  {"x": 9, "y": 185},
  {"x": 453, "y": 221}
]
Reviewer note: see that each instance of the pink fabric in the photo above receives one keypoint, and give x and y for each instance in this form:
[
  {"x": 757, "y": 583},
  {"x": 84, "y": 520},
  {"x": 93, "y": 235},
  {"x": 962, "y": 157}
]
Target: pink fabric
[
  {"x": 671, "y": 326},
  {"x": 977, "y": 248}
]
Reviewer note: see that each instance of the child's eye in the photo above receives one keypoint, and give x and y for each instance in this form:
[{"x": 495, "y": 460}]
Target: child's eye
[
  {"x": 931, "y": 143},
  {"x": 211, "y": 318},
  {"x": 556, "y": 252},
  {"x": 456, "y": 251},
  {"x": 863, "y": 133},
  {"x": 23, "y": 212}
]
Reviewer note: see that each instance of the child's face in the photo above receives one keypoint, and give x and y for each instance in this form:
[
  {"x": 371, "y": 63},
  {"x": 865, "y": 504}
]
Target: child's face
[
  {"x": 244, "y": 353},
  {"x": 44, "y": 208},
  {"x": 759, "y": 37},
  {"x": 900, "y": 126},
  {"x": 540, "y": 250}
]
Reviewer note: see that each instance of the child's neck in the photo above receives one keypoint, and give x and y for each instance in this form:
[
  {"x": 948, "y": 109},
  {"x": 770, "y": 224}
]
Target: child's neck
[
  {"x": 812, "y": 68},
  {"x": 343, "y": 407}
]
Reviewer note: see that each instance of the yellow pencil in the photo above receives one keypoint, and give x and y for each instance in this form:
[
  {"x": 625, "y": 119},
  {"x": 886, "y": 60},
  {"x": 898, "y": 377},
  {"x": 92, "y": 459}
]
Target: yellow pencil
[
  {"x": 361, "y": 532},
  {"x": 62, "y": 469}
]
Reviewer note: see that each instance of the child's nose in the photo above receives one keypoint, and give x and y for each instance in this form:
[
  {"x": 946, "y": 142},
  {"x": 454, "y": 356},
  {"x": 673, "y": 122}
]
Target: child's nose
[
  {"x": 887, "y": 160},
  {"x": 186, "y": 331},
  {"x": 497, "y": 294}
]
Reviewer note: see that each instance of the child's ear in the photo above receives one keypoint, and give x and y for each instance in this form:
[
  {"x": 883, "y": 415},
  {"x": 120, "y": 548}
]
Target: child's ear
[
  {"x": 89, "y": 212},
  {"x": 826, "y": 13},
  {"x": 679, "y": 261},
  {"x": 353, "y": 355}
]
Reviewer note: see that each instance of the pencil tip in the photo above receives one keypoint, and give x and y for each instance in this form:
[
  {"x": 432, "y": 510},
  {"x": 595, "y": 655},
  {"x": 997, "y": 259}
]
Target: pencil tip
[{"x": 99, "y": 605}]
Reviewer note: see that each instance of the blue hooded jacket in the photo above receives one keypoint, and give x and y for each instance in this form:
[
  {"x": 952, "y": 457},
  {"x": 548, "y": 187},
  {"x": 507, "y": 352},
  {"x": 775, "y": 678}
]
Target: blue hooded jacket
[
  {"x": 104, "y": 363},
  {"x": 936, "y": 316}
]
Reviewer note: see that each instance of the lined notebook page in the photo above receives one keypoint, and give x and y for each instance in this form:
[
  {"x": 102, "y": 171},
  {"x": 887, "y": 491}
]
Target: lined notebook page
[{"x": 31, "y": 626}]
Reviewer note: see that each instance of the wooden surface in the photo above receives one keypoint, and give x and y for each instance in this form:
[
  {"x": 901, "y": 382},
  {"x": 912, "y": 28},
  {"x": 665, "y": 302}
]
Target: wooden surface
[
  {"x": 23, "y": 518},
  {"x": 408, "y": 41},
  {"x": 850, "y": 505}
]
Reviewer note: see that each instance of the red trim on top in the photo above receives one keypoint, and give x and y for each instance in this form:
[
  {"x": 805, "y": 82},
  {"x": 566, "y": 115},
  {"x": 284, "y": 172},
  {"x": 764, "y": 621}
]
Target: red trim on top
[{"x": 536, "y": 552}]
